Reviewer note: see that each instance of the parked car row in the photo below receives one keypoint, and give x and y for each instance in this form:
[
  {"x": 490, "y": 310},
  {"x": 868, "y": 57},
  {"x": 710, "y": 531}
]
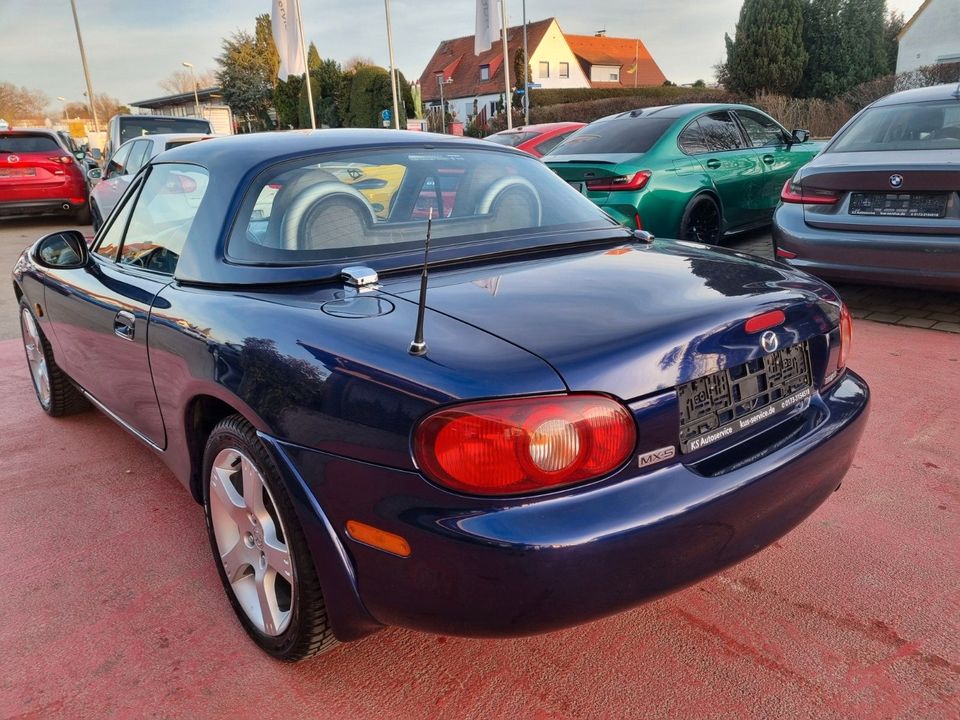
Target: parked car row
[
  {"x": 45, "y": 171},
  {"x": 880, "y": 202}
]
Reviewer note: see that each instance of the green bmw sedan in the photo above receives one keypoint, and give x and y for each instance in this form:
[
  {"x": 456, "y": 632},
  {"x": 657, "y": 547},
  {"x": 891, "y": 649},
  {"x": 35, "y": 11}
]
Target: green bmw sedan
[{"x": 694, "y": 172}]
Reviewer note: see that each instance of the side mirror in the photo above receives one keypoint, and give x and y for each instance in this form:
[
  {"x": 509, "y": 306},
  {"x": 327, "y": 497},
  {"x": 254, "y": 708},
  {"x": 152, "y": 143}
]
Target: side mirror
[
  {"x": 80, "y": 155},
  {"x": 799, "y": 136},
  {"x": 65, "y": 250},
  {"x": 94, "y": 173},
  {"x": 96, "y": 154}
]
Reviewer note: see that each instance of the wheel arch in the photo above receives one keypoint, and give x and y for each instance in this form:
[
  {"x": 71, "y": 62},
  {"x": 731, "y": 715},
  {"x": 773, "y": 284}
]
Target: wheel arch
[
  {"x": 201, "y": 415},
  {"x": 711, "y": 192}
]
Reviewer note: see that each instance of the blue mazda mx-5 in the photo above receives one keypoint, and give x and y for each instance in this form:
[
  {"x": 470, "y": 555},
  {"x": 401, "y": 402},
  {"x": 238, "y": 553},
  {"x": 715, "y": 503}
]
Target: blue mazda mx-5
[{"x": 561, "y": 420}]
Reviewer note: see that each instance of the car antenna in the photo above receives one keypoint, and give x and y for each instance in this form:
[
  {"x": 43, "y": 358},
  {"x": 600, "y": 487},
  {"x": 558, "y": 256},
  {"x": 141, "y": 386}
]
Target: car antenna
[{"x": 419, "y": 346}]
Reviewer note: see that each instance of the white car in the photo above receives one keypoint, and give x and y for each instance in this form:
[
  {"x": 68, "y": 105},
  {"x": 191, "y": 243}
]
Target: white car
[{"x": 124, "y": 165}]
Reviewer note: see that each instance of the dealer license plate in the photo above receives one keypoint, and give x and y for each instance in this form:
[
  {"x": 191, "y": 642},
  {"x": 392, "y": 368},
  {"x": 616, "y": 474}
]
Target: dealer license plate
[
  {"x": 914, "y": 205},
  {"x": 18, "y": 172}
]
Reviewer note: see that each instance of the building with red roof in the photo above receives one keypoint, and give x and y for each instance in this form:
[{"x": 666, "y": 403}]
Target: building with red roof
[{"x": 474, "y": 85}]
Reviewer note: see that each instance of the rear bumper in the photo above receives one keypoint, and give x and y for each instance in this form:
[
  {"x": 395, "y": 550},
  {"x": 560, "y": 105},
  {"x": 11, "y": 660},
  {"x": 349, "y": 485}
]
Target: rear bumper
[
  {"x": 483, "y": 567},
  {"x": 40, "y": 206},
  {"x": 928, "y": 261}
]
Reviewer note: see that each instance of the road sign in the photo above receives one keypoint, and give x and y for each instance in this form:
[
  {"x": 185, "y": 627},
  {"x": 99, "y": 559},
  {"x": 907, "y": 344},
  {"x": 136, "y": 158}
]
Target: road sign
[
  {"x": 385, "y": 115},
  {"x": 534, "y": 86},
  {"x": 519, "y": 91}
]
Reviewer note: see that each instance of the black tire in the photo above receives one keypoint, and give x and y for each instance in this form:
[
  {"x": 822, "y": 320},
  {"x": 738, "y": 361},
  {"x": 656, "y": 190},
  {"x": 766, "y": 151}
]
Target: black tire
[
  {"x": 81, "y": 216},
  {"x": 308, "y": 631},
  {"x": 65, "y": 398},
  {"x": 702, "y": 221}
]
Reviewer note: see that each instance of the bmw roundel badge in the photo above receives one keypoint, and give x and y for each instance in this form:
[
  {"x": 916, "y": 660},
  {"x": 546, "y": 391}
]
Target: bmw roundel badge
[{"x": 896, "y": 180}]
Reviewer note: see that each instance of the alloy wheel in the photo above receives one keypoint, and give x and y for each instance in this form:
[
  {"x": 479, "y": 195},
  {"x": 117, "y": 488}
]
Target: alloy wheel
[
  {"x": 36, "y": 359},
  {"x": 251, "y": 542},
  {"x": 704, "y": 223}
]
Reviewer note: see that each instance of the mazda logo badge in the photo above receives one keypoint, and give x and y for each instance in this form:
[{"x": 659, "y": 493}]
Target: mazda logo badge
[
  {"x": 896, "y": 181},
  {"x": 769, "y": 342},
  {"x": 12, "y": 159}
]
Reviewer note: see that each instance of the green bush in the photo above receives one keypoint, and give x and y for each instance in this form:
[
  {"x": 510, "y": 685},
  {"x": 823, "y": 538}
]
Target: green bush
[{"x": 662, "y": 95}]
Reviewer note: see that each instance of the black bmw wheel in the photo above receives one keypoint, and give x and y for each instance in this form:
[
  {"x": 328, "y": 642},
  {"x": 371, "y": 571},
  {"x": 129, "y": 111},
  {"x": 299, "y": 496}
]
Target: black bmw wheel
[
  {"x": 701, "y": 221},
  {"x": 261, "y": 554}
]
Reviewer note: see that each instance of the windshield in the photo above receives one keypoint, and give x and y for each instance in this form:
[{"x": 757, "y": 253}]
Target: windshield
[
  {"x": 132, "y": 127},
  {"x": 511, "y": 138},
  {"x": 921, "y": 126},
  {"x": 371, "y": 203},
  {"x": 632, "y": 135}
]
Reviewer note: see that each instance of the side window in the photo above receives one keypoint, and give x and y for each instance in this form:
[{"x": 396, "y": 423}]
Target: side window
[
  {"x": 118, "y": 163},
  {"x": 162, "y": 217},
  {"x": 762, "y": 131},
  {"x": 691, "y": 139},
  {"x": 139, "y": 154},
  {"x": 549, "y": 144},
  {"x": 720, "y": 132},
  {"x": 110, "y": 243},
  {"x": 544, "y": 69}
]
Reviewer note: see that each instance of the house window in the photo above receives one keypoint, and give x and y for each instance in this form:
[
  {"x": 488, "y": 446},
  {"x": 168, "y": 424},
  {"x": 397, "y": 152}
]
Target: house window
[
  {"x": 615, "y": 76},
  {"x": 564, "y": 70},
  {"x": 544, "y": 69},
  {"x": 484, "y": 72}
]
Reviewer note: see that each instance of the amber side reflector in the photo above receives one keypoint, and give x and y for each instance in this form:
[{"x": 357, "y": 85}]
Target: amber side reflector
[
  {"x": 380, "y": 539},
  {"x": 764, "y": 321}
]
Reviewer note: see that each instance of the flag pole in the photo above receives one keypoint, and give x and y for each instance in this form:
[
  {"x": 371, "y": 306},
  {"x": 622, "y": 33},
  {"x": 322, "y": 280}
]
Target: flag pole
[
  {"x": 526, "y": 70},
  {"x": 394, "y": 82},
  {"x": 306, "y": 68},
  {"x": 506, "y": 65},
  {"x": 636, "y": 65}
]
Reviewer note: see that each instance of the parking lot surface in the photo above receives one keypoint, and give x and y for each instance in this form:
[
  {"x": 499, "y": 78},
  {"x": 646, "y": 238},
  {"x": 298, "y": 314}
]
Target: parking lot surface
[{"x": 110, "y": 605}]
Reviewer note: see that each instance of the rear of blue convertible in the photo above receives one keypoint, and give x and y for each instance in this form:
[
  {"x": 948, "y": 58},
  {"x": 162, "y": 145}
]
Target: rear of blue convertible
[
  {"x": 690, "y": 426},
  {"x": 598, "y": 418}
]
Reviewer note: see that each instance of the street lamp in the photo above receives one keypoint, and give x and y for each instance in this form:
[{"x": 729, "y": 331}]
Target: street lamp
[
  {"x": 196, "y": 98},
  {"x": 443, "y": 107},
  {"x": 64, "y": 101}
]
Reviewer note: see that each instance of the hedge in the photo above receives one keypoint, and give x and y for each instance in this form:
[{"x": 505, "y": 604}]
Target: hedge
[{"x": 662, "y": 94}]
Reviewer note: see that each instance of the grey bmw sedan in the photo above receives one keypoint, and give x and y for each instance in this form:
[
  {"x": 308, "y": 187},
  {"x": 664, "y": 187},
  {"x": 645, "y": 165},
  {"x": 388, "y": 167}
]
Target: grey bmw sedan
[{"x": 881, "y": 203}]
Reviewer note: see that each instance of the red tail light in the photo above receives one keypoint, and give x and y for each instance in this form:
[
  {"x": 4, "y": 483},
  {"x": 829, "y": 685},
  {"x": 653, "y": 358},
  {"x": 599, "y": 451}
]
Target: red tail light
[
  {"x": 764, "y": 321},
  {"x": 637, "y": 181},
  {"x": 846, "y": 335},
  {"x": 61, "y": 159},
  {"x": 177, "y": 184},
  {"x": 794, "y": 193},
  {"x": 500, "y": 447},
  {"x": 788, "y": 254}
]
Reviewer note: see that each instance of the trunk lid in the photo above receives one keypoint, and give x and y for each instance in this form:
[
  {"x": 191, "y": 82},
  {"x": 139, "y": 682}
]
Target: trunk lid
[
  {"x": 632, "y": 320},
  {"x": 578, "y": 169},
  {"x": 891, "y": 193}
]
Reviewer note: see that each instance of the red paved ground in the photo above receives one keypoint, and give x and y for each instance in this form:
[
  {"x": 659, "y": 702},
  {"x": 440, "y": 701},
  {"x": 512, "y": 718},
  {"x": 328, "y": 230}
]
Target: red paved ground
[{"x": 109, "y": 605}]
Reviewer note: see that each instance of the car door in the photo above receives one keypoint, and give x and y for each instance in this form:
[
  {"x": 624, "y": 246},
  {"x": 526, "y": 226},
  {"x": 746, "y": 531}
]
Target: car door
[
  {"x": 100, "y": 313},
  {"x": 116, "y": 178},
  {"x": 770, "y": 143},
  {"x": 735, "y": 170}
]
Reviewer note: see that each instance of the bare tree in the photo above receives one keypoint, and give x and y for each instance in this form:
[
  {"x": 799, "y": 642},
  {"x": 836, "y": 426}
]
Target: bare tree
[
  {"x": 21, "y": 102},
  {"x": 181, "y": 81},
  {"x": 359, "y": 61},
  {"x": 107, "y": 107}
]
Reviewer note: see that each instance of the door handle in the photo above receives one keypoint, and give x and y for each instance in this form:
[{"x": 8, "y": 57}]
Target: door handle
[
  {"x": 713, "y": 163},
  {"x": 124, "y": 324},
  {"x": 768, "y": 159}
]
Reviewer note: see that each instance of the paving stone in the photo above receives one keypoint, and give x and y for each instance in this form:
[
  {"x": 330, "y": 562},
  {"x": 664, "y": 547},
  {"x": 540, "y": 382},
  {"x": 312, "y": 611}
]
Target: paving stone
[
  {"x": 917, "y": 322},
  {"x": 884, "y": 317},
  {"x": 949, "y": 327},
  {"x": 953, "y": 317},
  {"x": 859, "y": 313}
]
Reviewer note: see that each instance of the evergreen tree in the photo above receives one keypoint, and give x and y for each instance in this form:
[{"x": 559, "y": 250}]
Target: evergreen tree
[
  {"x": 826, "y": 68},
  {"x": 768, "y": 52},
  {"x": 862, "y": 37},
  {"x": 245, "y": 79}
]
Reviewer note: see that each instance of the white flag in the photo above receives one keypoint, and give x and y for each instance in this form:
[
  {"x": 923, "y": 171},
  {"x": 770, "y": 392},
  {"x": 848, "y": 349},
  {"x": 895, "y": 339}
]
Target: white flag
[
  {"x": 286, "y": 36},
  {"x": 488, "y": 26}
]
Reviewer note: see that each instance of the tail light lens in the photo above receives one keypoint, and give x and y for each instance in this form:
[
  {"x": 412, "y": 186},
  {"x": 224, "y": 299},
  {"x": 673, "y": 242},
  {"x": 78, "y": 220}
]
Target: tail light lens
[
  {"x": 61, "y": 159},
  {"x": 177, "y": 184},
  {"x": 794, "y": 193},
  {"x": 637, "y": 181},
  {"x": 502, "y": 447},
  {"x": 846, "y": 335}
]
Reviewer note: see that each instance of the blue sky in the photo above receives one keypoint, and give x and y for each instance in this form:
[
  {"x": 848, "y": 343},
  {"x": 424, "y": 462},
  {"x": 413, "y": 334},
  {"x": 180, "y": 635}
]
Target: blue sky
[{"x": 133, "y": 44}]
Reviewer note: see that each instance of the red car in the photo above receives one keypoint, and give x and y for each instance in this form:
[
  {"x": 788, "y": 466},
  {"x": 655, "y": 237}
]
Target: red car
[
  {"x": 537, "y": 140},
  {"x": 39, "y": 175}
]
